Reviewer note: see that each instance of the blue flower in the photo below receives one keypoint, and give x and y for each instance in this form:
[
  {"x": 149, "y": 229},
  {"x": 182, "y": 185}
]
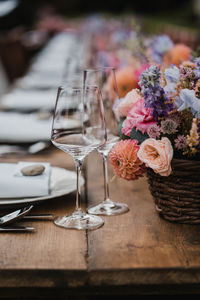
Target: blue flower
[
  {"x": 197, "y": 61},
  {"x": 160, "y": 45},
  {"x": 187, "y": 99},
  {"x": 172, "y": 76}
]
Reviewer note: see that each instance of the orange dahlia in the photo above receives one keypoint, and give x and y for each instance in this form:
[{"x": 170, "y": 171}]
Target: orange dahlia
[
  {"x": 124, "y": 159},
  {"x": 126, "y": 81},
  {"x": 178, "y": 54}
]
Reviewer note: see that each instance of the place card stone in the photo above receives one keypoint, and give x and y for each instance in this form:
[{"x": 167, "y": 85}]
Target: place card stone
[{"x": 33, "y": 170}]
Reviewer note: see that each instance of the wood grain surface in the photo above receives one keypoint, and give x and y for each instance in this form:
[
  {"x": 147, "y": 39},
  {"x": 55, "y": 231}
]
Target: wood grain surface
[{"x": 131, "y": 250}]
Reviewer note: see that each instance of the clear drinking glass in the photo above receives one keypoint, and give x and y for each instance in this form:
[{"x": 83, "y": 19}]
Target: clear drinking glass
[
  {"x": 105, "y": 79},
  {"x": 78, "y": 129}
]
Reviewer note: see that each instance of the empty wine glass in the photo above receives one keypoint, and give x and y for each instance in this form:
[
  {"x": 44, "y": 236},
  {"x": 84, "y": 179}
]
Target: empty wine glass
[
  {"x": 105, "y": 79},
  {"x": 78, "y": 129}
]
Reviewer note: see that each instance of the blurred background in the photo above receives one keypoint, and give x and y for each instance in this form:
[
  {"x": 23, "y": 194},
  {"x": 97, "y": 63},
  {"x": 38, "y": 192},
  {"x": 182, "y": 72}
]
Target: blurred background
[{"x": 26, "y": 26}]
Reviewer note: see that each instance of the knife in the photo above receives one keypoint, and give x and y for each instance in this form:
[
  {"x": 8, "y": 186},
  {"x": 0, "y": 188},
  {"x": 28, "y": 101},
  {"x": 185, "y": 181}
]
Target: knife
[{"x": 17, "y": 229}]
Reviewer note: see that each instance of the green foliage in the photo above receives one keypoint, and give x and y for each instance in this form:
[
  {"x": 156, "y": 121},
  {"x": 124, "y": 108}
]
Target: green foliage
[{"x": 138, "y": 135}]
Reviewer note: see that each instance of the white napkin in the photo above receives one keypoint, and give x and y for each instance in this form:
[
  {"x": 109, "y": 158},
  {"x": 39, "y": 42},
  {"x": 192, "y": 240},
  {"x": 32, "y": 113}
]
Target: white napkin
[
  {"x": 35, "y": 80},
  {"x": 24, "y": 100},
  {"x": 23, "y": 128},
  {"x": 14, "y": 185}
]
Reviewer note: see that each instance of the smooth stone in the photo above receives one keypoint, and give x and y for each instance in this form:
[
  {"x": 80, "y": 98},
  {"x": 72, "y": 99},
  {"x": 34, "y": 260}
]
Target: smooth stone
[{"x": 33, "y": 170}]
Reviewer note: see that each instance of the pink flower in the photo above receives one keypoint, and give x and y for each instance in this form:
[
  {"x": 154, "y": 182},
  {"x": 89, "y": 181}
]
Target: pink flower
[
  {"x": 139, "y": 117},
  {"x": 154, "y": 131},
  {"x": 180, "y": 142},
  {"x": 124, "y": 106},
  {"x": 157, "y": 155},
  {"x": 124, "y": 159}
]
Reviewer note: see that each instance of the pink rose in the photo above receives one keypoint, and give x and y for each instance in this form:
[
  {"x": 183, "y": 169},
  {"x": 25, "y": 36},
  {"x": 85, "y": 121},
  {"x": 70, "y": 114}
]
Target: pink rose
[
  {"x": 129, "y": 100},
  {"x": 157, "y": 155},
  {"x": 139, "y": 117}
]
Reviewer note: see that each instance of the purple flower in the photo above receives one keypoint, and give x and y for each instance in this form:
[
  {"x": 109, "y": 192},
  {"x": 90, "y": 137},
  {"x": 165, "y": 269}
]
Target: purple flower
[
  {"x": 197, "y": 70},
  {"x": 154, "y": 95},
  {"x": 180, "y": 142},
  {"x": 168, "y": 126},
  {"x": 150, "y": 77},
  {"x": 188, "y": 77},
  {"x": 153, "y": 131}
]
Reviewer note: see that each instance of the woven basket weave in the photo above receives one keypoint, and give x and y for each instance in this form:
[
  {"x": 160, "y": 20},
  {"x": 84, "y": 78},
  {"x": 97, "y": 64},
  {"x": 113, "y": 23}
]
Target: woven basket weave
[{"x": 177, "y": 197}]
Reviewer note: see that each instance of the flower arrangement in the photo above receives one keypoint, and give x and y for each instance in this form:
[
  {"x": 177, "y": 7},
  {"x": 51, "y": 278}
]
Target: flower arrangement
[
  {"x": 159, "y": 121},
  {"x": 162, "y": 50},
  {"x": 130, "y": 63}
]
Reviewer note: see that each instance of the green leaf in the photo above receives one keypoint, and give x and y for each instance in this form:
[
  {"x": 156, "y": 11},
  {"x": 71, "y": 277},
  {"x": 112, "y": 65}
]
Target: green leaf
[{"x": 138, "y": 135}]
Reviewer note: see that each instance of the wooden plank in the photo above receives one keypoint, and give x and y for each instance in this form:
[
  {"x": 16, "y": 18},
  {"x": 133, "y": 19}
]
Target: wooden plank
[
  {"x": 53, "y": 256},
  {"x": 138, "y": 247},
  {"x": 130, "y": 250}
]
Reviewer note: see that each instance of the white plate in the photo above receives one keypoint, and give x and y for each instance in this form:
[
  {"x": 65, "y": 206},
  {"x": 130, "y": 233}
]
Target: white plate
[{"x": 62, "y": 182}]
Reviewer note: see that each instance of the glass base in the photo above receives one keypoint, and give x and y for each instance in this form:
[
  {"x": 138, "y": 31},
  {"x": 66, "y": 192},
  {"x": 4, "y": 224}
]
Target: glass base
[
  {"x": 108, "y": 208},
  {"x": 80, "y": 221}
]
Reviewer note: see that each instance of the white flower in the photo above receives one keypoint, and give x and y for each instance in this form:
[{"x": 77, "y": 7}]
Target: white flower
[
  {"x": 172, "y": 76},
  {"x": 187, "y": 99}
]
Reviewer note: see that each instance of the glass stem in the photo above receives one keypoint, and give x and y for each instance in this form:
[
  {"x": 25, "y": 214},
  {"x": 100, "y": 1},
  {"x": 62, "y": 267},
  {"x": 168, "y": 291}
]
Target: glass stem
[
  {"x": 78, "y": 164},
  {"x": 105, "y": 173}
]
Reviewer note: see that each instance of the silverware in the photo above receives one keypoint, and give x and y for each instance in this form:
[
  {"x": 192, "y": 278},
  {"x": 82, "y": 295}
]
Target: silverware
[
  {"x": 6, "y": 150},
  {"x": 22, "y": 214},
  {"x": 17, "y": 229},
  {"x": 15, "y": 215}
]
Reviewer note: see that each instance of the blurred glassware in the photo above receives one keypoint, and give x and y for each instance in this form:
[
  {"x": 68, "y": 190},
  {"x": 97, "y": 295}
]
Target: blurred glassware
[
  {"x": 78, "y": 132},
  {"x": 102, "y": 77}
]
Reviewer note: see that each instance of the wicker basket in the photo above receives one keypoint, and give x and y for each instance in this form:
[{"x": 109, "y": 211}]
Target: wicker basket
[{"x": 177, "y": 197}]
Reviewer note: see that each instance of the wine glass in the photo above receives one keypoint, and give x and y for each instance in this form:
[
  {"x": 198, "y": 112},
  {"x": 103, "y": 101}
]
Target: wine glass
[
  {"x": 105, "y": 79},
  {"x": 78, "y": 129}
]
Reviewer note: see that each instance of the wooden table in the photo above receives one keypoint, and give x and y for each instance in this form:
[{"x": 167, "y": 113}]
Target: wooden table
[{"x": 134, "y": 253}]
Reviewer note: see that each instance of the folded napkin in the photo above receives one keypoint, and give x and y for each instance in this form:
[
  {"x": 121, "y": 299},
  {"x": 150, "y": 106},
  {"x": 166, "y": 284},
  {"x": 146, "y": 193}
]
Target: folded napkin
[
  {"x": 24, "y": 100},
  {"x": 23, "y": 128},
  {"x": 35, "y": 80},
  {"x": 29, "y": 100},
  {"x": 15, "y": 185}
]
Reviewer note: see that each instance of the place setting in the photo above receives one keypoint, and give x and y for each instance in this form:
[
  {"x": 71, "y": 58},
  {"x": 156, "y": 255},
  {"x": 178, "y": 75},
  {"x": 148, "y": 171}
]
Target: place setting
[{"x": 86, "y": 126}]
